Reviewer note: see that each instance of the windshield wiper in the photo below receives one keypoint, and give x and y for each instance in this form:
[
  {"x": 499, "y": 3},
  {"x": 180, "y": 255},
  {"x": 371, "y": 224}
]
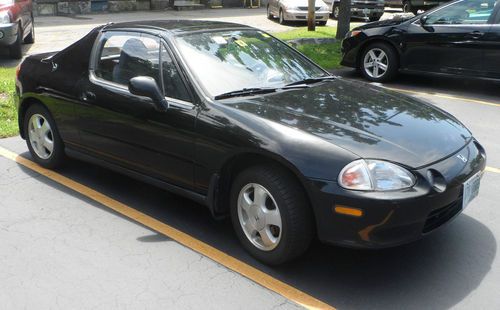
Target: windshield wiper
[
  {"x": 313, "y": 80},
  {"x": 245, "y": 92}
]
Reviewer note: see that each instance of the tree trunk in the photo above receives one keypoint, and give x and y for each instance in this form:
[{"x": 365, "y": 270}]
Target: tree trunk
[
  {"x": 344, "y": 22},
  {"x": 311, "y": 18}
]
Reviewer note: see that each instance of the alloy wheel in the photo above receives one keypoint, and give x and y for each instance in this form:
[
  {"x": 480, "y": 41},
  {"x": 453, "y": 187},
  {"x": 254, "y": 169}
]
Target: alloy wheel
[
  {"x": 40, "y": 136},
  {"x": 376, "y": 63},
  {"x": 259, "y": 216}
]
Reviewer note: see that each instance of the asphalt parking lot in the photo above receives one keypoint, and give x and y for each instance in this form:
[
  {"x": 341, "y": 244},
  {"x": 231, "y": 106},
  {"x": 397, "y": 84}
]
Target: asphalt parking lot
[{"x": 85, "y": 237}]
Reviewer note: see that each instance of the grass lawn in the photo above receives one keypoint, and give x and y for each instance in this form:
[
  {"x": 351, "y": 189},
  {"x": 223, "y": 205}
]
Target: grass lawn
[
  {"x": 8, "y": 113},
  {"x": 327, "y": 55}
]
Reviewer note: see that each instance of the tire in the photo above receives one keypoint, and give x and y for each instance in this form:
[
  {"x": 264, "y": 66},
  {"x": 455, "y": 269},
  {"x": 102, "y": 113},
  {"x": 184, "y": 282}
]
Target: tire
[
  {"x": 281, "y": 16},
  {"x": 30, "y": 38},
  {"x": 286, "y": 199},
  {"x": 16, "y": 49},
  {"x": 375, "y": 18},
  {"x": 322, "y": 23},
  {"x": 41, "y": 154},
  {"x": 269, "y": 14},
  {"x": 335, "y": 11},
  {"x": 407, "y": 6},
  {"x": 386, "y": 65}
]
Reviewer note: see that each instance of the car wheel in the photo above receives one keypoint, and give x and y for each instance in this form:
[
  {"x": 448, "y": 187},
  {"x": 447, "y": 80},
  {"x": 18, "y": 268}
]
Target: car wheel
[
  {"x": 42, "y": 137},
  {"x": 379, "y": 62},
  {"x": 335, "y": 12},
  {"x": 16, "y": 49},
  {"x": 282, "y": 20},
  {"x": 271, "y": 215},
  {"x": 407, "y": 7},
  {"x": 322, "y": 23},
  {"x": 375, "y": 18},
  {"x": 30, "y": 39},
  {"x": 269, "y": 14}
]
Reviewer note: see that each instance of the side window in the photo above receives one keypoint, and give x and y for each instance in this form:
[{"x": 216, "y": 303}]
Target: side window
[
  {"x": 124, "y": 55},
  {"x": 172, "y": 82},
  {"x": 466, "y": 12}
]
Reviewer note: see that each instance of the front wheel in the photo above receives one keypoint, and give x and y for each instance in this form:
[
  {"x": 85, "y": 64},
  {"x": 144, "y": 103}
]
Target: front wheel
[
  {"x": 379, "y": 62},
  {"x": 375, "y": 18},
  {"x": 42, "y": 137},
  {"x": 269, "y": 14},
  {"x": 281, "y": 16},
  {"x": 270, "y": 214},
  {"x": 30, "y": 38},
  {"x": 16, "y": 49}
]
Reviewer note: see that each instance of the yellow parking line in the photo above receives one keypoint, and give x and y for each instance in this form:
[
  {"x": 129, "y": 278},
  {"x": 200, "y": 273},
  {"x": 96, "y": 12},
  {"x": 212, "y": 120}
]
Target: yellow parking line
[
  {"x": 218, "y": 256},
  {"x": 491, "y": 169},
  {"x": 444, "y": 96}
]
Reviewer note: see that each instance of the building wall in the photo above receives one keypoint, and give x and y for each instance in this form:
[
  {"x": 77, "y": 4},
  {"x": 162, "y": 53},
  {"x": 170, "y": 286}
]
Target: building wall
[{"x": 74, "y": 7}]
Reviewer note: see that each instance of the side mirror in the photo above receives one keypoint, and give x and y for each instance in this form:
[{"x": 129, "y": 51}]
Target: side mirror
[
  {"x": 147, "y": 87},
  {"x": 423, "y": 20}
]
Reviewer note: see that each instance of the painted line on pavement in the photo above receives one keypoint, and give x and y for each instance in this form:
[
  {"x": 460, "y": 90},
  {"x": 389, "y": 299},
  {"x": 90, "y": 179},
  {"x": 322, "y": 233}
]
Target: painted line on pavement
[
  {"x": 491, "y": 169},
  {"x": 442, "y": 96},
  {"x": 216, "y": 255}
]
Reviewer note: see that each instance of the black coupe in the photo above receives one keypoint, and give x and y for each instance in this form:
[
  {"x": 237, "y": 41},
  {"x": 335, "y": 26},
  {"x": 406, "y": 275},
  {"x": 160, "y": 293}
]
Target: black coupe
[
  {"x": 461, "y": 38},
  {"x": 237, "y": 120}
]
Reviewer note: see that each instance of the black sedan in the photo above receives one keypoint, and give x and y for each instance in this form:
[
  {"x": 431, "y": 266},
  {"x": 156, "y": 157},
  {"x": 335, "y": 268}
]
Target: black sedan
[
  {"x": 461, "y": 38},
  {"x": 238, "y": 121}
]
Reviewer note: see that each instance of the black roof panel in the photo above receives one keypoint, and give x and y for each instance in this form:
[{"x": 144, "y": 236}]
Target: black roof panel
[{"x": 176, "y": 26}]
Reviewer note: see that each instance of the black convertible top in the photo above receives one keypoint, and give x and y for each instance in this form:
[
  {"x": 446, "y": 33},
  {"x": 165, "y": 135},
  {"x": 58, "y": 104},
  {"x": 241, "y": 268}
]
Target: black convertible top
[{"x": 177, "y": 26}]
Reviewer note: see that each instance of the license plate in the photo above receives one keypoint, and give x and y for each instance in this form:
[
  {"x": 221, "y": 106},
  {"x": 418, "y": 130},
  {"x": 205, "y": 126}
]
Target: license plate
[{"x": 471, "y": 189}]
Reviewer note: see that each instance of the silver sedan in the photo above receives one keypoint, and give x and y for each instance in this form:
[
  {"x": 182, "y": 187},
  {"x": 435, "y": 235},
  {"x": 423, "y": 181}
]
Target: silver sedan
[{"x": 296, "y": 10}]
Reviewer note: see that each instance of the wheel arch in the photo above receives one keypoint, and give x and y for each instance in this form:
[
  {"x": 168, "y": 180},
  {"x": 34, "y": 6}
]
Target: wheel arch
[
  {"x": 23, "y": 107},
  {"x": 220, "y": 190}
]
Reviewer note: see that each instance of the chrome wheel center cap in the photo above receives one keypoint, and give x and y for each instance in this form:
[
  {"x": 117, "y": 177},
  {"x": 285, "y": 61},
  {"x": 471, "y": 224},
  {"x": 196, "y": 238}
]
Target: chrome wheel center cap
[{"x": 257, "y": 217}]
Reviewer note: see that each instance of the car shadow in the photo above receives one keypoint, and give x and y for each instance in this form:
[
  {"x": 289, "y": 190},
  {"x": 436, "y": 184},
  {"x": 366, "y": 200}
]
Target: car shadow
[
  {"x": 457, "y": 86},
  {"x": 436, "y": 272}
]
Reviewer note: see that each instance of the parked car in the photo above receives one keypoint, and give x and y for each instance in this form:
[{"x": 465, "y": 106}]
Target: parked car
[
  {"x": 366, "y": 9},
  {"x": 413, "y": 6},
  {"x": 16, "y": 25},
  {"x": 237, "y": 120},
  {"x": 461, "y": 38},
  {"x": 296, "y": 10}
]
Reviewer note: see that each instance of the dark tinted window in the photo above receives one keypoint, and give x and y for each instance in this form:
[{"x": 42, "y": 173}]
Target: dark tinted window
[
  {"x": 172, "y": 81},
  {"x": 123, "y": 56}
]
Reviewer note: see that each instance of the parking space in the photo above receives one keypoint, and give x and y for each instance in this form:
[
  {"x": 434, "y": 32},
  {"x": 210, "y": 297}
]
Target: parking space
[{"x": 86, "y": 237}]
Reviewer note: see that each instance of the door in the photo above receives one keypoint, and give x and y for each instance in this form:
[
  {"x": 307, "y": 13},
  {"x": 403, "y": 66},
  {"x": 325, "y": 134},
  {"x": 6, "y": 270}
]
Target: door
[
  {"x": 450, "y": 39},
  {"x": 492, "y": 48},
  {"x": 126, "y": 129}
]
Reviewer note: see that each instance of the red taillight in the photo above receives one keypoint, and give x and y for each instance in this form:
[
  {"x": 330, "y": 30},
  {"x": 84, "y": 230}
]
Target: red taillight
[{"x": 18, "y": 69}]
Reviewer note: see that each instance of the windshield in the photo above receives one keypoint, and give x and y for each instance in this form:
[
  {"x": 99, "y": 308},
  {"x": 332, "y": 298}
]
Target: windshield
[{"x": 233, "y": 60}]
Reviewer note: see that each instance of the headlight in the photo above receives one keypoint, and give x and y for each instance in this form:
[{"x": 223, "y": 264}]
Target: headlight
[
  {"x": 4, "y": 17},
  {"x": 375, "y": 175}
]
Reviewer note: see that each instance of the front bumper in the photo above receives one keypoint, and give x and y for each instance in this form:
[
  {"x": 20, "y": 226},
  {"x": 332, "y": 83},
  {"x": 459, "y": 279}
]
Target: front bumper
[
  {"x": 299, "y": 15},
  {"x": 8, "y": 34},
  {"x": 396, "y": 217}
]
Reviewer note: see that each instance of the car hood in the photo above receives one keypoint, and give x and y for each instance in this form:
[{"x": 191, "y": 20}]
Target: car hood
[
  {"x": 369, "y": 121},
  {"x": 384, "y": 23}
]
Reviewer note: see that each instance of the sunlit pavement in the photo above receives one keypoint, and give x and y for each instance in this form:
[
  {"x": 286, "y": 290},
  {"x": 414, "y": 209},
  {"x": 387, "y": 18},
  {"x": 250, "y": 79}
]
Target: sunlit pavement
[{"x": 62, "y": 250}]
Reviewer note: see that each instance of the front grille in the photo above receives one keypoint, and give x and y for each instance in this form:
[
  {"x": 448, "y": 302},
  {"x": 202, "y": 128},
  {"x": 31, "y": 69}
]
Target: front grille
[
  {"x": 440, "y": 216},
  {"x": 305, "y": 8}
]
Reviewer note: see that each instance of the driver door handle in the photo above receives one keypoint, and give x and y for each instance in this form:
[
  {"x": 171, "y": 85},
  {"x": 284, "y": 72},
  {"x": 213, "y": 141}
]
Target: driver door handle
[
  {"x": 476, "y": 34},
  {"x": 88, "y": 96}
]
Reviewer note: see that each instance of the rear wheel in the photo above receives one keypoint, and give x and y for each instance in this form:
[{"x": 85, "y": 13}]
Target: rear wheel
[
  {"x": 379, "y": 62},
  {"x": 409, "y": 8},
  {"x": 322, "y": 23},
  {"x": 270, "y": 214},
  {"x": 375, "y": 18},
  {"x": 16, "y": 49},
  {"x": 42, "y": 137}
]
